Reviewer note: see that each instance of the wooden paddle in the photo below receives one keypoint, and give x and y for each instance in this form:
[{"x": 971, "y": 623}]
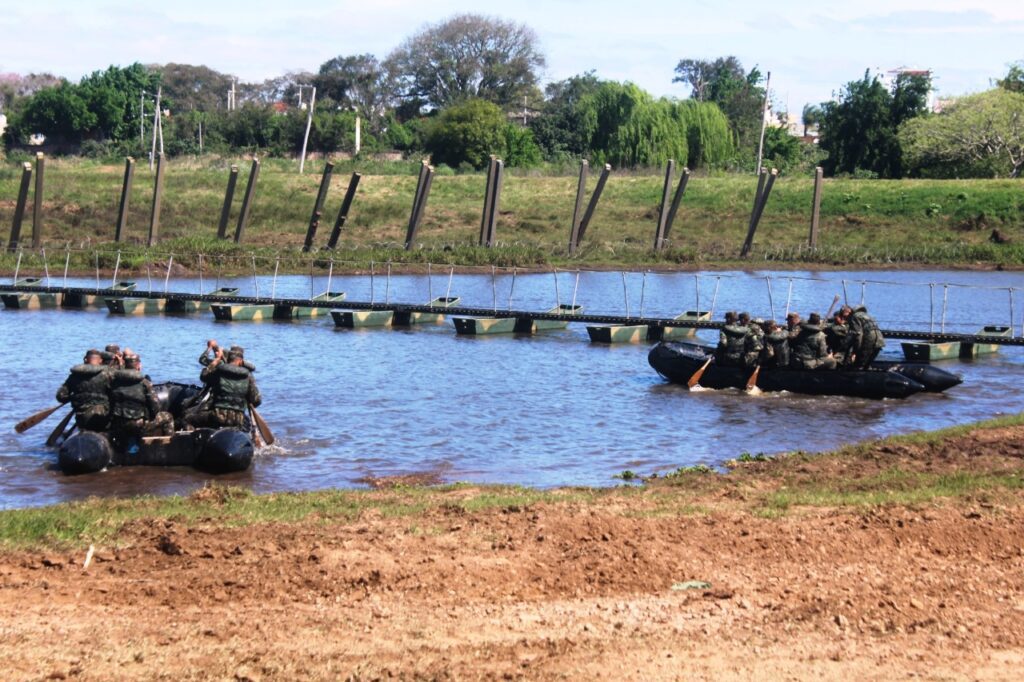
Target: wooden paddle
[
  {"x": 28, "y": 423},
  {"x": 831, "y": 307},
  {"x": 695, "y": 379},
  {"x": 55, "y": 434},
  {"x": 265, "y": 432},
  {"x": 752, "y": 381}
]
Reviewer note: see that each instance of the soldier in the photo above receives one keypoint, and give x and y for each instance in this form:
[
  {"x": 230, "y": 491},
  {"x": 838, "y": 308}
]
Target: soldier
[
  {"x": 86, "y": 389},
  {"x": 233, "y": 389},
  {"x": 731, "y": 341},
  {"x": 134, "y": 408},
  {"x": 112, "y": 355},
  {"x": 793, "y": 326},
  {"x": 864, "y": 339},
  {"x": 211, "y": 348},
  {"x": 836, "y": 333},
  {"x": 809, "y": 350},
  {"x": 753, "y": 342},
  {"x": 776, "y": 346}
]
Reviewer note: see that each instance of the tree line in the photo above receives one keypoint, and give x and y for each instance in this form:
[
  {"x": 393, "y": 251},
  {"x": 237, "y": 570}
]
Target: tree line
[{"x": 468, "y": 87}]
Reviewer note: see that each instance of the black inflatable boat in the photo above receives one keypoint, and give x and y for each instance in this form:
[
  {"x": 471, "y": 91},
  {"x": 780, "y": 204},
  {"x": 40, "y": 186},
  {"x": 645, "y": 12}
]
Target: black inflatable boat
[
  {"x": 214, "y": 450},
  {"x": 677, "y": 362}
]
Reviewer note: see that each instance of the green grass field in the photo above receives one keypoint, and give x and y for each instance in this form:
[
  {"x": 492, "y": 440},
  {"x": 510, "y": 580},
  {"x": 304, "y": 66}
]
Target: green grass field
[{"x": 863, "y": 222}]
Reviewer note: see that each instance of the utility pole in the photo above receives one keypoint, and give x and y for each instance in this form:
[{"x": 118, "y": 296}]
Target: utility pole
[
  {"x": 764, "y": 121},
  {"x": 142, "y": 117},
  {"x": 359, "y": 137},
  {"x": 309, "y": 124},
  {"x": 156, "y": 123}
]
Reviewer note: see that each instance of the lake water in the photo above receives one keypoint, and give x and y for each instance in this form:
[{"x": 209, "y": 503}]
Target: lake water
[{"x": 547, "y": 410}]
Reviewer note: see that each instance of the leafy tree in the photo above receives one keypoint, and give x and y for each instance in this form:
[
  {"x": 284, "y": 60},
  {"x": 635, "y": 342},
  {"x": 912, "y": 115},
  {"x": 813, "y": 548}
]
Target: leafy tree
[
  {"x": 978, "y": 135},
  {"x": 357, "y": 82},
  {"x": 858, "y": 130},
  {"x": 567, "y": 118},
  {"x": 188, "y": 87},
  {"x": 468, "y": 132},
  {"x": 810, "y": 116},
  {"x": 113, "y": 96},
  {"x": 59, "y": 112},
  {"x": 467, "y": 56},
  {"x": 738, "y": 93},
  {"x": 520, "y": 148},
  {"x": 1014, "y": 79}
]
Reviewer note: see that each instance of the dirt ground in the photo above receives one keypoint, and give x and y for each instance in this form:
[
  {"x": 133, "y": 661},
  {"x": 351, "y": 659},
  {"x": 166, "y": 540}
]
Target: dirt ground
[{"x": 594, "y": 590}]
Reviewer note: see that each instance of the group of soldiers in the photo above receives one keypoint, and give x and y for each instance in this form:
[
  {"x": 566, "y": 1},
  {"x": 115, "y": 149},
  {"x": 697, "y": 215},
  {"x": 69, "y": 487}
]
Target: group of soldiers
[
  {"x": 109, "y": 392},
  {"x": 850, "y": 340}
]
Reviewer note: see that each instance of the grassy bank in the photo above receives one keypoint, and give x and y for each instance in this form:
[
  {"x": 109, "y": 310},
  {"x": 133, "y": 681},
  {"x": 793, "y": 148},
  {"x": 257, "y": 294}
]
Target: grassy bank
[
  {"x": 898, "y": 470},
  {"x": 862, "y": 221}
]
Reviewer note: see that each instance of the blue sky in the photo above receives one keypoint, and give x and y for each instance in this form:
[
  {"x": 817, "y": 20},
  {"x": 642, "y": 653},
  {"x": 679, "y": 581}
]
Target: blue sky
[{"x": 811, "y": 48}]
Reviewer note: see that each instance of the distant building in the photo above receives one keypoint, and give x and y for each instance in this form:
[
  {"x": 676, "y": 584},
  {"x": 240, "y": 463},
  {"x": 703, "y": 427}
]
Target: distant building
[{"x": 3, "y": 123}]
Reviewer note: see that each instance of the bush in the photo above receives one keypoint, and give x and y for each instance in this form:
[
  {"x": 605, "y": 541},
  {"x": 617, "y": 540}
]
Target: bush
[{"x": 469, "y": 132}]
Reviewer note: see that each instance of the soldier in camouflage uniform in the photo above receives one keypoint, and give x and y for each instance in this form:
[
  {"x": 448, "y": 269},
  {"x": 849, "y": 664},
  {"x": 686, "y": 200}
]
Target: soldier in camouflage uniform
[
  {"x": 809, "y": 350},
  {"x": 112, "y": 356},
  {"x": 233, "y": 389},
  {"x": 731, "y": 342},
  {"x": 86, "y": 389},
  {"x": 836, "y": 334},
  {"x": 753, "y": 342},
  {"x": 776, "y": 346},
  {"x": 211, "y": 350},
  {"x": 864, "y": 340},
  {"x": 134, "y": 408}
]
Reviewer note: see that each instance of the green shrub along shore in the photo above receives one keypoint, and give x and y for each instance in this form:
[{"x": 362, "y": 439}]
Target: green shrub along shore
[{"x": 872, "y": 223}]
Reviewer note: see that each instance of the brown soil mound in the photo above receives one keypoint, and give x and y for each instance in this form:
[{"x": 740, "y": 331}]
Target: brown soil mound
[{"x": 611, "y": 589}]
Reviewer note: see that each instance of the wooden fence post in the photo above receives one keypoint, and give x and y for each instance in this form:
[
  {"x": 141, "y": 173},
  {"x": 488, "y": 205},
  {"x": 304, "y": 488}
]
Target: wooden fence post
[
  {"x": 19, "y": 208},
  {"x": 37, "y": 202},
  {"x": 605, "y": 172},
  {"x": 158, "y": 192},
  {"x": 666, "y": 191},
  {"x": 318, "y": 207},
  {"x": 492, "y": 220},
  {"x": 229, "y": 196},
  {"x": 764, "y": 191},
  {"x": 126, "y": 191},
  {"x": 250, "y": 191},
  {"x": 812, "y": 241},
  {"x": 417, "y": 214},
  {"x": 346, "y": 205},
  {"x": 676, "y": 200},
  {"x": 577, "y": 211},
  {"x": 488, "y": 201}
]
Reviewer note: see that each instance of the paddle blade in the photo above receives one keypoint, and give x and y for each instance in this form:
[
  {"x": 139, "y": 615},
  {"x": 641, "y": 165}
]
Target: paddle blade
[
  {"x": 695, "y": 379},
  {"x": 752, "y": 381},
  {"x": 28, "y": 423},
  {"x": 55, "y": 434},
  {"x": 265, "y": 432}
]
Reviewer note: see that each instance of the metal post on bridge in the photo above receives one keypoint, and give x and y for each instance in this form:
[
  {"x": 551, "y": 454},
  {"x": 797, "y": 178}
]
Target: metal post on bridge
[{"x": 19, "y": 207}]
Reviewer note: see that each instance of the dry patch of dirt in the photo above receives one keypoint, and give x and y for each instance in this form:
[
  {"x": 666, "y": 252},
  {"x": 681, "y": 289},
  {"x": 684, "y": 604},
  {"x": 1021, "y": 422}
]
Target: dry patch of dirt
[{"x": 611, "y": 589}]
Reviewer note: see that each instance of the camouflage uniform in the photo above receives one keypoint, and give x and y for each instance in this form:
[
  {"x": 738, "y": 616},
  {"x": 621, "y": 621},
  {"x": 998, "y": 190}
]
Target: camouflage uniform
[
  {"x": 836, "y": 336},
  {"x": 776, "y": 349},
  {"x": 233, "y": 389},
  {"x": 753, "y": 344},
  {"x": 86, "y": 388},
  {"x": 134, "y": 408},
  {"x": 809, "y": 350},
  {"x": 865, "y": 340},
  {"x": 731, "y": 343}
]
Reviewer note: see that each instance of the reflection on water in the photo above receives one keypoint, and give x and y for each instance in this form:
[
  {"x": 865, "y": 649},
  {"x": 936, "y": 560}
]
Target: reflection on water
[{"x": 540, "y": 411}]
